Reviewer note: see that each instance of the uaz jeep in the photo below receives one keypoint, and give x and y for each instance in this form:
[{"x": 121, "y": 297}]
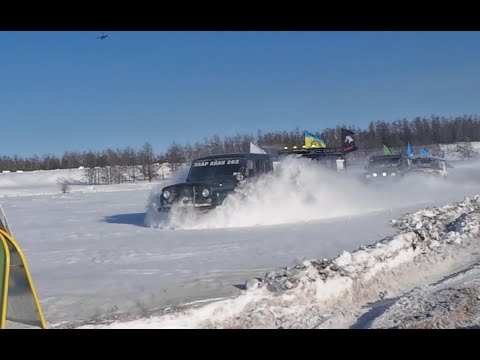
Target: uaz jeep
[
  {"x": 331, "y": 157},
  {"x": 386, "y": 167},
  {"x": 212, "y": 178},
  {"x": 429, "y": 166}
]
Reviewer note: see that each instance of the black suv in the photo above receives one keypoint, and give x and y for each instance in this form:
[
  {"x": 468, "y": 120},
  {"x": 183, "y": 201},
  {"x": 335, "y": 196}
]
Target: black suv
[
  {"x": 386, "y": 167},
  {"x": 212, "y": 178}
]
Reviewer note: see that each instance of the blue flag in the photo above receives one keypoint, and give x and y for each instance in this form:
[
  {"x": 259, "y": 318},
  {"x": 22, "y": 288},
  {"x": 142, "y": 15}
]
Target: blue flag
[
  {"x": 409, "y": 150},
  {"x": 424, "y": 152}
]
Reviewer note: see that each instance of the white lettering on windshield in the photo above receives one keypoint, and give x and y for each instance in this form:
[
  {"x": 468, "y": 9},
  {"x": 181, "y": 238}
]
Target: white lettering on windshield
[{"x": 216, "y": 163}]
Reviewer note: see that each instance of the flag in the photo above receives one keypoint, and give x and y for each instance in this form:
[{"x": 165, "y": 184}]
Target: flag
[
  {"x": 314, "y": 141},
  {"x": 387, "y": 150},
  {"x": 424, "y": 152},
  {"x": 409, "y": 150},
  {"x": 348, "y": 143},
  {"x": 255, "y": 149}
]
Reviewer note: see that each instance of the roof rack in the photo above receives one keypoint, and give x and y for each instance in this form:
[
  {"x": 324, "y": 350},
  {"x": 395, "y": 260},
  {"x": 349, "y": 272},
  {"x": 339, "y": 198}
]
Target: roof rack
[{"x": 314, "y": 151}]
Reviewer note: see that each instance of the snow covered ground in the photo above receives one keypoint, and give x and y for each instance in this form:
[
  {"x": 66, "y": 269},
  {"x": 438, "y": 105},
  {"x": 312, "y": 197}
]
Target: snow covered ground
[
  {"x": 100, "y": 253},
  {"x": 454, "y": 151},
  {"x": 427, "y": 276}
]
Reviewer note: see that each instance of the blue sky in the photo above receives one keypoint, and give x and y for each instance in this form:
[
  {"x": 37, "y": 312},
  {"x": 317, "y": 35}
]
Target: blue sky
[{"x": 70, "y": 91}]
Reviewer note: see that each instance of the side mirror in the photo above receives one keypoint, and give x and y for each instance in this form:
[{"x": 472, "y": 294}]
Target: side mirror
[{"x": 251, "y": 172}]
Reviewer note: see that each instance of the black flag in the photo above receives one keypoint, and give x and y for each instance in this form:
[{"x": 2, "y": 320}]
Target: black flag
[{"x": 348, "y": 143}]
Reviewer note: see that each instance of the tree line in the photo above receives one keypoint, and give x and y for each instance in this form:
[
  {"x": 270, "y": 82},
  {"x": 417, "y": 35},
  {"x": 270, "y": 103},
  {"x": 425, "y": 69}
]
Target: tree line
[{"x": 418, "y": 131}]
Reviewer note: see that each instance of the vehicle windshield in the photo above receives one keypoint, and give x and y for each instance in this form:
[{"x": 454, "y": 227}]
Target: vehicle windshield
[
  {"x": 382, "y": 162},
  {"x": 426, "y": 163},
  {"x": 216, "y": 169}
]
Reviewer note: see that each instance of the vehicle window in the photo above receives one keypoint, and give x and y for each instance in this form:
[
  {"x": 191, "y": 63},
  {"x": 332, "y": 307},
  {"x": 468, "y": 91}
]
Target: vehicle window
[
  {"x": 384, "y": 162},
  {"x": 268, "y": 165},
  {"x": 211, "y": 169},
  {"x": 250, "y": 166},
  {"x": 264, "y": 166}
]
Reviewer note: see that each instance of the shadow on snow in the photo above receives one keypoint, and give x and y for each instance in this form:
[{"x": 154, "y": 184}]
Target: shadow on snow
[{"x": 137, "y": 219}]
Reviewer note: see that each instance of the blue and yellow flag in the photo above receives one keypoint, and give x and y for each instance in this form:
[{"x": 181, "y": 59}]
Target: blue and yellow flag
[{"x": 314, "y": 141}]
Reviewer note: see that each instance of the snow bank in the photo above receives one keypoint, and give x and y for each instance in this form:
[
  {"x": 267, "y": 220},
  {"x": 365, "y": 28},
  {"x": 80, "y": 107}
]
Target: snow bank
[
  {"x": 49, "y": 182},
  {"x": 40, "y": 182},
  {"x": 461, "y": 150},
  {"x": 453, "y": 302},
  {"x": 328, "y": 293},
  {"x": 40, "y": 178}
]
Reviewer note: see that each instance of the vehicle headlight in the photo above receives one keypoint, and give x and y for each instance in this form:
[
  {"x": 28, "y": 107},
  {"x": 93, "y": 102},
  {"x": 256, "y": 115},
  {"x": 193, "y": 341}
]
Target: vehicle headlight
[
  {"x": 239, "y": 177},
  {"x": 205, "y": 192},
  {"x": 384, "y": 174},
  {"x": 374, "y": 174},
  {"x": 166, "y": 194},
  {"x": 392, "y": 174}
]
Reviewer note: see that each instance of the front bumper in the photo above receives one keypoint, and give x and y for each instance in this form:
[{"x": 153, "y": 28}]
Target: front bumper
[
  {"x": 190, "y": 196},
  {"x": 382, "y": 176},
  {"x": 186, "y": 206}
]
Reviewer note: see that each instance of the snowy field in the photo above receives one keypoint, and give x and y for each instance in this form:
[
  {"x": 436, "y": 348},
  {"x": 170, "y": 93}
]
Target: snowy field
[{"x": 101, "y": 257}]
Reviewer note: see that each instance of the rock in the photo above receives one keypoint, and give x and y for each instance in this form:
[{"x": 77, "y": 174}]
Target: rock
[
  {"x": 307, "y": 263},
  {"x": 271, "y": 275},
  {"x": 252, "y": 284}
]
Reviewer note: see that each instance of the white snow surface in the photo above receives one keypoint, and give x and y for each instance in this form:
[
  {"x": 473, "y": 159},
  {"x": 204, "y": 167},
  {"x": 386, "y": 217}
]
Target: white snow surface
[
  {"x": 100, "y": 256},
  {"x": 331, "y": 293}
]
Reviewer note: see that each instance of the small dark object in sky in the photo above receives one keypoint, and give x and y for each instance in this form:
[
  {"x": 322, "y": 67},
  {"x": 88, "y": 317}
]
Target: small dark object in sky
[{"x": 102, "y": 37}]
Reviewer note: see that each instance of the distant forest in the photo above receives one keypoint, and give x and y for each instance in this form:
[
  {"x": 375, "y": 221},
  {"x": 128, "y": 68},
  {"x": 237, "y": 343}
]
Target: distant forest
[{"x": 419, "y": 131}]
